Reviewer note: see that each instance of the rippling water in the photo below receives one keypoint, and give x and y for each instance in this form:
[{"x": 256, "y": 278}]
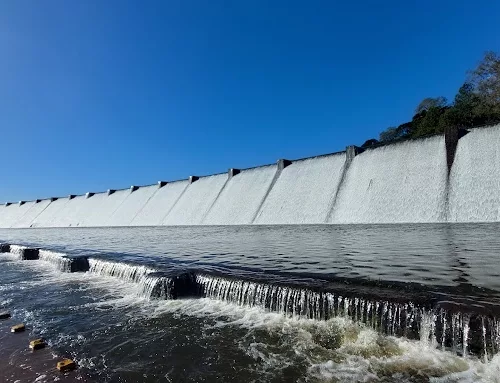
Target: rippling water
[{"x": 116, "y": 333}]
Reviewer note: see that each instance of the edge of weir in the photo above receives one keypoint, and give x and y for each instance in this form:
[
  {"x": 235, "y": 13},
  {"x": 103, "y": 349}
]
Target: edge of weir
[{"x": 460, "y": 327}]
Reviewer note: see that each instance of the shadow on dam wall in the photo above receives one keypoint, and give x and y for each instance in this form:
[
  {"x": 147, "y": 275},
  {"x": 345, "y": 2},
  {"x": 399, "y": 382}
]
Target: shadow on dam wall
[{"x": 423, "y": 180}]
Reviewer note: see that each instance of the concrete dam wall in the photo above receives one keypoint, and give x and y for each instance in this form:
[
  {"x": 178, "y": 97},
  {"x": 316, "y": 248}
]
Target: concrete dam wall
[{"x": 447, "y": 178}]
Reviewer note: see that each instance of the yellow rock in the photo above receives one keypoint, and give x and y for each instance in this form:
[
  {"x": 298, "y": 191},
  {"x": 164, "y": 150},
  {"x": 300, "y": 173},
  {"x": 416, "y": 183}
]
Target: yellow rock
[
  {"x": 18, "y": 328},
  {"x": 66, "y": 365},
  {"x": 37, "y": 344}
]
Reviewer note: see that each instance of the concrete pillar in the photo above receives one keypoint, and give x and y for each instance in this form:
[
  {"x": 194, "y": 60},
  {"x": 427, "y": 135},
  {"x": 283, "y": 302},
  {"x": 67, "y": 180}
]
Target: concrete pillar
[
  {"x": 29, "y": 254},
  {"x": 451, "y": 137},
  {"x": 79, "y": 264},
  {"x": 193, "y": 179},
  {"x": 133, "y": 188},
  {"x": 351, "y": 152},
  {"x": 110, "y": 191},
  {"x": 232, "y": 172},
  {"x": 89, "y": 194},
  {"x": 282, "y": 164},
  {"x": 4, "y": 248},
  {"x": 162, "y": 183}
]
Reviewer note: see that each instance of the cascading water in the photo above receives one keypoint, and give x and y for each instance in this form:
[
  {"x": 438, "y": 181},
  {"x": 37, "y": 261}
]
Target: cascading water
[
  {"x": 9, "y": 215},
  {"x": 27, "y": 219},
  {"x": 195, "y": 201},
  {"x": 48, "y": 215},
  {"x": 131, "y": 206},
  {"x": 398, "y": 183},
  {"x": 151, "y": 285},
  {"x": 72, "y": 213},
  {"x": 475, "y": 177},
  {"x": 104, "y": 206},
  {"x": 304, "y": 191},
  {"x": 59, "y": 260},
  {"x": 433, "y": 326},
  {"x": 155, "y": 210},
  {"x": 461, "y": 332},
  {"x": 17, "y": 249},
  {"x": 126, "y": 272},
  {"x": 241, "y": 197}
]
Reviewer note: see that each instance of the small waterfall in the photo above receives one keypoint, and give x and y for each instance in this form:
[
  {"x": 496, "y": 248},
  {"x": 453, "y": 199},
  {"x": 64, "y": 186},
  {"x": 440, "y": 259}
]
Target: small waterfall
[
  {"x": 24, "y": 252},
  {"x": 440, "y": 324},
  {"x": 17, "y": 249},
  {"x": 151, "y": 284},
  {"x": 433, "y": 326},
  {"x": 63, "y": 262},
  {"x": 59, "y": 260},
  {"x": 123, "y": 271}
]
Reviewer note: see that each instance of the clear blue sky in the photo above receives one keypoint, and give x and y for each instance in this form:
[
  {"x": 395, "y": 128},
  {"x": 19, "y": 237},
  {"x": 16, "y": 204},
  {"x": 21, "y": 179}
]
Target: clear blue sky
[{"x": 105, "y": 94}]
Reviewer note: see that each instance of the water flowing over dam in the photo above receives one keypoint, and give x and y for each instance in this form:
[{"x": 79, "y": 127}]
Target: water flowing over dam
[
  {"x": 400, "y": 183},
  {"x": 375, "y": 264}
]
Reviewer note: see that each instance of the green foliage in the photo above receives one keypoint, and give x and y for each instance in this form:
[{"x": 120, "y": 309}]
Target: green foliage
[
  {"x": 369, "y": 143},
  {"x": 429, "y": 122},
  {"x": 477, "y": 102},
  {"x": 485, "y": 80},
  {"x": 430, "y": 102},
  {"x": 390, "y": 134}
]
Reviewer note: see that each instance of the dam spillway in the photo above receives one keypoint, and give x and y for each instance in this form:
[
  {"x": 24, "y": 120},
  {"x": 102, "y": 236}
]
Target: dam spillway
[
  {"x": 406, "y": 182},
  {"x": 403, "y": 182}
]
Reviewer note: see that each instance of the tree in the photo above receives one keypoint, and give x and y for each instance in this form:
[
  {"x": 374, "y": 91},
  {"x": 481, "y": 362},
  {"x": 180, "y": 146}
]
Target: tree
[
  {"x": 485, "y": 79},
  {"x": 369, "y": 143},
  {"x": 428, "y": 122},
  {"x": 390, "y": 134},
  {"x": 466, "y": 107},
  {"x": 430, "y": 102}
]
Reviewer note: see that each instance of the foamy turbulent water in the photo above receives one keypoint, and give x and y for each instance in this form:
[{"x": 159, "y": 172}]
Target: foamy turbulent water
[{"x": 262, "y": 304}]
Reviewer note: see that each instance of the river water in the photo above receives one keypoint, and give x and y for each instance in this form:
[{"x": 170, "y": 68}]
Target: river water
[{"x": 327, "y": 303}]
